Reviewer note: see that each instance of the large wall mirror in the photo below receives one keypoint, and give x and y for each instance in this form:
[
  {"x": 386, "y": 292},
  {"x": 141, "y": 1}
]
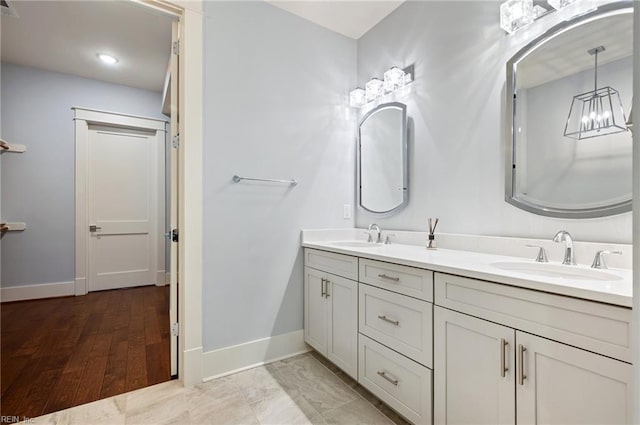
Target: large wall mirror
[
  {"x": 382, "y": 160},
  {"x": 569, "y": 97}
]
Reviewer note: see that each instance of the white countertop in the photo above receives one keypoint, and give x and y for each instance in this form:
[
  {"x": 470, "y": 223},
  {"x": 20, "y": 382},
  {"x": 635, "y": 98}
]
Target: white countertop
[{"x": 478, "y": 266}]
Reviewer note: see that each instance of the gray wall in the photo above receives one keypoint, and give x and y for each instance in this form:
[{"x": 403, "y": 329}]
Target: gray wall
[
  {"x": 38, "y": 186},
  {"x": 276, "y": 107},
  {"x": 457, "y": 106}
]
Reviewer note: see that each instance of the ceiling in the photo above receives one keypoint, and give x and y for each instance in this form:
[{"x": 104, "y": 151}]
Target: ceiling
[
  {"x": 567, "y": 54},
  {"x": 350, "y": 18},
  {"x": 65, "y": 36}
]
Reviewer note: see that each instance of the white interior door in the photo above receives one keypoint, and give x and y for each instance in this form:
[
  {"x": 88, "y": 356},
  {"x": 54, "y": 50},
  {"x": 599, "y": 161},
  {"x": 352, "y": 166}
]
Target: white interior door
[
  {"x": 173, "y": 197},
  {"x": 122, "y": 193}
]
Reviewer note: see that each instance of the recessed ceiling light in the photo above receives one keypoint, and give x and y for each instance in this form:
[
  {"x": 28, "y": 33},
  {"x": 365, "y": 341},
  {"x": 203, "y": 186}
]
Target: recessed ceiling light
[{"x": 108, "y": 59}]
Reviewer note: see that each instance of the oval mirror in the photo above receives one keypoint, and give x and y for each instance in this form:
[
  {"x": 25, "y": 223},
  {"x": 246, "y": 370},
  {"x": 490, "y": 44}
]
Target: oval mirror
[
  {"x": 568, "y": 100},
  {"x": 382, "y": 160}
]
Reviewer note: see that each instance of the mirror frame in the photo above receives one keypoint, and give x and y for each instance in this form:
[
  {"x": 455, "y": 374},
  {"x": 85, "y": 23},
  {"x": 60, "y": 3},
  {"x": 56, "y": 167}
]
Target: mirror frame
[
  {"x": 405, "y": 162},
  {"x": 511, "y": 94}
]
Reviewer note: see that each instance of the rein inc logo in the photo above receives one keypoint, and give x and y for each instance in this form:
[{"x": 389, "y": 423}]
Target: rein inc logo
[{"x": 16, "y": 419}]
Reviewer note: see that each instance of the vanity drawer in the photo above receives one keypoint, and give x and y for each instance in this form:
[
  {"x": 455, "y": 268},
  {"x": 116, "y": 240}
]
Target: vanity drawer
[
  {"x": 397, "y": 321},
  {"x": 406, "y": 280},
  {"x": 600, "y": 328},
  {"x": 338, "y": 264},
  {"x": 401, "y": 383}
]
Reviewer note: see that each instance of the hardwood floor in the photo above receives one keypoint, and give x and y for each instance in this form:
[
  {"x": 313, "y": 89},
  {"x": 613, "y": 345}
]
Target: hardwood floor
[{"x": 63, "y": 352}]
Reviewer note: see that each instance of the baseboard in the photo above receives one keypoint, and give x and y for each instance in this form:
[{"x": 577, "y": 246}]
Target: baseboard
[
  {"x": 32, "y": 292},
  {"x": 228, "y": 360},
  {"x": 191, "y": 367},
  {"x": 81, "y": 286},
  {"x": 161, "y": 278}
]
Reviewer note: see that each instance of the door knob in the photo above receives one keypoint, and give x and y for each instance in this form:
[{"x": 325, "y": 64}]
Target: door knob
[{"x": 94, "y": 228}]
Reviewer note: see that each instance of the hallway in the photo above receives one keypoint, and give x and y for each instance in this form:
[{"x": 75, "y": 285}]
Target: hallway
[{"x": 63, "y": 352}]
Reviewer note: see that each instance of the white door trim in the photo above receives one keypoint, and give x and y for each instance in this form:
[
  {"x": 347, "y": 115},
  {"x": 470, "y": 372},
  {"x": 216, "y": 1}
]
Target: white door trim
[
  {"x": 191, "y": 15},
  {"x": 191, "y": 190},
  {"x": 83, "y": 117}
]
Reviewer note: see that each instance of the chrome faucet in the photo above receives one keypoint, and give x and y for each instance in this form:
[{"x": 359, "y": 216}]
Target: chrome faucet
[
  {"x": 375, "y": 227},
  {"x": 565, "y": 237},
  {"x": 598, "y": 260}
]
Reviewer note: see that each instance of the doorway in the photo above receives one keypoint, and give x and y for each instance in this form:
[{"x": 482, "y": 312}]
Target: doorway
[
  {"x": 107, "y": 278},
  {"x": 120, "y": 202}
]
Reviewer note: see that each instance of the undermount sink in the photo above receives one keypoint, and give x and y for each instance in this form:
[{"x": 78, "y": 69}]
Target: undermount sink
[
  {"x": 556, "y": 270},
  {"x": 355, "y": 244}
]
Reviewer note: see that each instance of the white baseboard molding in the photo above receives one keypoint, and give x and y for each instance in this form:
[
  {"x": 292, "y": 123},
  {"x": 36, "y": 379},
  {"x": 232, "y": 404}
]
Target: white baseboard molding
[
  {"x": 190, "y": 372},
  {"x": 32, "y": 292},
  {"x": 228, "y": 360},
  {"x": 161, "y": 278},
  {"x": 81, "y": 286}
]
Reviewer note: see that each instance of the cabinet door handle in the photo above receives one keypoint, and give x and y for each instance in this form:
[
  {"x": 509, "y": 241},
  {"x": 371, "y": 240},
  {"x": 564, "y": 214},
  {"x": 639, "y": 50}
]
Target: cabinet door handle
[
  {"x": 384, "y": 276},
  {"x": 322, "y": 290},
  {"x": 386, "y": 319},
  {"x": 385, "y": 376},
  {"x": 503, "y": 357},
  {"x": 521, "y": 375},
  {"x": 326, "y": 288}
]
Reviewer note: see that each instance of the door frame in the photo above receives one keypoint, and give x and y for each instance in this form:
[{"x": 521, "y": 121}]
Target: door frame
[
  {"x": 190, "y": 13},
  {"x": 84, "y": 117}
]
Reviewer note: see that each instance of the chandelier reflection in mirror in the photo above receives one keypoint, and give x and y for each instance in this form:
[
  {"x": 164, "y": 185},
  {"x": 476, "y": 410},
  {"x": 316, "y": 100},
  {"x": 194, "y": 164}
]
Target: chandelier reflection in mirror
[{"x": 596, "y": 113}]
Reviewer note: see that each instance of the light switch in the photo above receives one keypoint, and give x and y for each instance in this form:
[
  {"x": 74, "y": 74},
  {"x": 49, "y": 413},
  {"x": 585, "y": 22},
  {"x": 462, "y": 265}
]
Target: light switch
[{"x": 346, "y": 211}]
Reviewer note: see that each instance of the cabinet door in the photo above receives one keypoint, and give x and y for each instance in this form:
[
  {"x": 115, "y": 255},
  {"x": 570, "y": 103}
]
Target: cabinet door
[
  {"x": 342, "y": 347},
  {"x": 566, "y": 385},
  {"x": 315, "y": 310},
  {"x": 473, "y": 370}
]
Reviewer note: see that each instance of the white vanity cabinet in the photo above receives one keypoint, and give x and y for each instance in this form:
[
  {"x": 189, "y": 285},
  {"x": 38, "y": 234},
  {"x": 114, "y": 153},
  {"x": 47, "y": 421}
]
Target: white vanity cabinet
[
  {"x": 448, "y": 349},
  {"x": 396, "y": 336},
  {"x": 566, "y": 385},
  {"x": 331, "y": 309},
  {"x": 474, "y": 370},
  {"x": 486, "y": 372}
]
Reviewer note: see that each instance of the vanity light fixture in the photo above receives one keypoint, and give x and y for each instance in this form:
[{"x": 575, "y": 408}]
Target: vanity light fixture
[
  {"x": 596, "y": 113},
  {"x": 108, "y": 59},
  {"x": 394, "y": 80},
  {"x": 357, "y": 98},
  {"x": 374, "y": 89},
  {"x": 559, "y": 4},
  {"x": 515, "y": 14}
]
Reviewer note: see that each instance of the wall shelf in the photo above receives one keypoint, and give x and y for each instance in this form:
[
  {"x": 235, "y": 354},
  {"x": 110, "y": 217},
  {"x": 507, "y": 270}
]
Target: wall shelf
[
  {"x": 12, "y": 227},
  {"x": 8, "y": 147}
]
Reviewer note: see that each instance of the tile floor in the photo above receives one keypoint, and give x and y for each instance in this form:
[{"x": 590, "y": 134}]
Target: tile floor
[{"x": 304, "y": 389}]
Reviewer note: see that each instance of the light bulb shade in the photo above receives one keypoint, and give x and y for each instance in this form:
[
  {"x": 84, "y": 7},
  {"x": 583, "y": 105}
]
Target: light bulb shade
[
  {"x": 374, "y": 89},
  {"x": 595, "y": 113},
  {"x": 559, "y": 4},
  {"x": 515, "y": 14},
  {"x": 539, "y": 11},
  {"x": 357, "y": 98},
  {"x": 393, "y": 79}
]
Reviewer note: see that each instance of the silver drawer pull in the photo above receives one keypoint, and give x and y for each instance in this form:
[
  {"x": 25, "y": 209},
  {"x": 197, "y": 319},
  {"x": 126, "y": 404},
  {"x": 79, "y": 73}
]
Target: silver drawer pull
[
  {"x": 522, "y": 376},
  {"x": 386, "y": 319},
  {"x": 384, "y": 375},
  {"x": 503, "y": 357},
  {"x": 384, "y": 276}
]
